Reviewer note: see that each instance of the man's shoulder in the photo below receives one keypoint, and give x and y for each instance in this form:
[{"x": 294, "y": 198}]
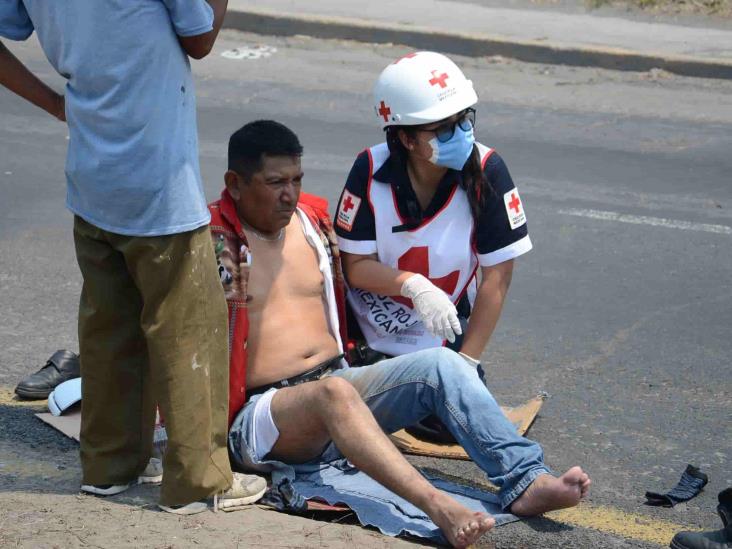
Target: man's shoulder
[
  {"x": 313, "y": 201},
  {"x": 220, "y": 222}
]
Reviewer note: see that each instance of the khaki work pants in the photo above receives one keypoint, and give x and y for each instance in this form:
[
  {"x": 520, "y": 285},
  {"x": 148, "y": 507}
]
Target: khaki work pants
[{"x": 153, "y": 330}]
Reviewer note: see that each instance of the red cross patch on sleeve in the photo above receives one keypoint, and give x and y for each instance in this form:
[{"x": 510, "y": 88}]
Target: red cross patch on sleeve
[
  {"x": 514, "y": 209},
  {"x": 347, "y": 210}
]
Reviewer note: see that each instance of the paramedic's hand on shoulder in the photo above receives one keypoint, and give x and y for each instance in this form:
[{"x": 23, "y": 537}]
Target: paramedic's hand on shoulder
[{"x": 434, "y": 307}]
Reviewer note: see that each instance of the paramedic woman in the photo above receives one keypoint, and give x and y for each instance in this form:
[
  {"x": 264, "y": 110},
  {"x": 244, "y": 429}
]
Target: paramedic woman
[{"x": 422, "y": 212}]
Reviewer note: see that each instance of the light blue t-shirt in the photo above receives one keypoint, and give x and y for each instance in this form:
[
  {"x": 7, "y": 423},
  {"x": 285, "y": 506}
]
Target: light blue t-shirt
[{"x": 132, "y": 164}]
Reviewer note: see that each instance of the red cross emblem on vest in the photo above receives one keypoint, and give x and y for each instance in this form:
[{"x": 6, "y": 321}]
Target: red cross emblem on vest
[
  {"x": 439, "y": 80},
  {"x": 384, "y": 111},
  {"x": 515, "y": 203},
  {"x": 417, "y": 260},
  {"x": 348, "y": 204}
]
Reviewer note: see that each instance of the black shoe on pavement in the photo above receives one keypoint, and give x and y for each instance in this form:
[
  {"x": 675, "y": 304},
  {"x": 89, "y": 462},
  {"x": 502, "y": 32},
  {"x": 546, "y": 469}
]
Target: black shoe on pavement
[
  {"x": 725, "y": 507},
  {"x": 718, "y": 539},
  {"x": 62, "y": 366}
]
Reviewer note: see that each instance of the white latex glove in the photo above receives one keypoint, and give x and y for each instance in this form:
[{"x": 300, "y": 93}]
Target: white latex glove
[{"x": 434, "y": 307}]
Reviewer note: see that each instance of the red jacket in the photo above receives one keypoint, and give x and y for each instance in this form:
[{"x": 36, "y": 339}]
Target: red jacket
[{"x": 234, "y": 260}]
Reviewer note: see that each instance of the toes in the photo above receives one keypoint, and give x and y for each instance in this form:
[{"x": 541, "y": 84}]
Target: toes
[
  {"x": 484, "y": 522},
  {"x": 484, "y": 519},
  {"x": 467, "y": 533},
  {"x": 577, "y": 472},
  {"x": 471, "y": 530}
]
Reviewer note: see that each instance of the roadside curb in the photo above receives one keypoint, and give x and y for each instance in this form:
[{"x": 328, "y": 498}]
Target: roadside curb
[{"x": 474, "y": 45}]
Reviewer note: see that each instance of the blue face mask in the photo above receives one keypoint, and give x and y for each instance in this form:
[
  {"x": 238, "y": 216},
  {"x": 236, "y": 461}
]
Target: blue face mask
[{"x": 454, "y": 152}]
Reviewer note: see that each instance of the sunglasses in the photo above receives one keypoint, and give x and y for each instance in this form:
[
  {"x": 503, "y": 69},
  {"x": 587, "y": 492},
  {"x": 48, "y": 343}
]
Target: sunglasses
[{"x": 444, "y": 132}]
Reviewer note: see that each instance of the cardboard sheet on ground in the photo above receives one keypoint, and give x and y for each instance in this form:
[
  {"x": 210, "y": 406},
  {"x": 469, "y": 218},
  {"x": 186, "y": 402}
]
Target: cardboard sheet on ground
[
  {"x": 69, "y": 423},
  {"x": 521, "y": 416}
]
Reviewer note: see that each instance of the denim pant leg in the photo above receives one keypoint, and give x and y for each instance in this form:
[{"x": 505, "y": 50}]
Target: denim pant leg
[{"x": 403, "y": 390}]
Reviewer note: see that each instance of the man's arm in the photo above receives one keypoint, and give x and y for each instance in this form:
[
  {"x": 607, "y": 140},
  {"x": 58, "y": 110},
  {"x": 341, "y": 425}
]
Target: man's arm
[
  {"x": 18, "y": 79},
  {"x": 200, "y": 46}
]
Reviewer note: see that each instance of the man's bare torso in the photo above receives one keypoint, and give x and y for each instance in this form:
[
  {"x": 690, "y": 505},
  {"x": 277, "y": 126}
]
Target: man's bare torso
[{"x": 288, "y": 326}]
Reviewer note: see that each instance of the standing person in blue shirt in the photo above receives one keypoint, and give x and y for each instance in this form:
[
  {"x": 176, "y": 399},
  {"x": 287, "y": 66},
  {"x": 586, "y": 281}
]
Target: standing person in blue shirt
[
  {"x": 152, "y": 318},
  {"x": 421, "y": 213}
]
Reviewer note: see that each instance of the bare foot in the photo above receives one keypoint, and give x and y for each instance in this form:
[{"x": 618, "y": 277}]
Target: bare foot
[
  {"x": 460, "y": 525},
  {"x": 548, "y": 493}
]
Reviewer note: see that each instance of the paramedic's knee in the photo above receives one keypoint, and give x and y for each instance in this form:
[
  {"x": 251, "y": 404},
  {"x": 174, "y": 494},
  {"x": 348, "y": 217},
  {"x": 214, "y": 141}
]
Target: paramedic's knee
[{"x": 450, "y": 368}]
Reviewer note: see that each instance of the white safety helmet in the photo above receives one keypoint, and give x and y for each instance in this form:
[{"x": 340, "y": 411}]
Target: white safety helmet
[
  {"x": 420, "y": 88},
  {"x": 64, "y": 396}
]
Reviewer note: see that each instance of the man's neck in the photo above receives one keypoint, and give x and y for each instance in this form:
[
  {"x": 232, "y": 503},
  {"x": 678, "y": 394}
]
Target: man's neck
[
  {"x": 262, "y": 234},
  {"x": 265, "y": 236}
]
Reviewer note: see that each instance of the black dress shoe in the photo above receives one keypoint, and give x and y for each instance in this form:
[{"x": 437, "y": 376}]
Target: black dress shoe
[
  {"x": 718, "y": 539},
  {"x": 725, "y": 507},
  {"x": 62, "y": 366}
]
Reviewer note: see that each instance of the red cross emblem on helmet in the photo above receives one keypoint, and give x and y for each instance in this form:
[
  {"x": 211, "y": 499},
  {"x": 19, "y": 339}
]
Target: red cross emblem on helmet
[
  {"x": 384, "y": 111},
  {"x": 440, "y": 80}
]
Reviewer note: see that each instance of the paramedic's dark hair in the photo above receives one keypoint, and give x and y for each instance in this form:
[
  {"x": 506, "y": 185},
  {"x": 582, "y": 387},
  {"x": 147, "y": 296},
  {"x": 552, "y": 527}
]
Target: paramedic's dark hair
[
  {"x": 474, "y": 181},
  {"x": 252, "y": 141}
]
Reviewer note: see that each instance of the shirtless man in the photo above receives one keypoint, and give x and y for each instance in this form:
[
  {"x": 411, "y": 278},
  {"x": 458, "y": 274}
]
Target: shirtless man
[{"x": 301, "y": 396}]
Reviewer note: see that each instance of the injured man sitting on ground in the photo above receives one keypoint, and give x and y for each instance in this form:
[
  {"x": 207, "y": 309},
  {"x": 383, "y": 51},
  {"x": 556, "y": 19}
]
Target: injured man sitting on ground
[{"x": 291, "y": 392}]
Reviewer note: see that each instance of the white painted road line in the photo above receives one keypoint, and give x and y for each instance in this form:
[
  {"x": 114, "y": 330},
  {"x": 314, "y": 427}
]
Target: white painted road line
[{"x": 645, "y": 220}]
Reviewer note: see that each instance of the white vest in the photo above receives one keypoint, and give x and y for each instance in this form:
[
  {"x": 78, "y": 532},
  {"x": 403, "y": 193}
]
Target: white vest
[{"x": 441, "y": 249}]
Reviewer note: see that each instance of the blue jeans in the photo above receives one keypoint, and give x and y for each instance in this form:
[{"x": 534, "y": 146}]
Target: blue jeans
[{"x": 403, "y": 390}]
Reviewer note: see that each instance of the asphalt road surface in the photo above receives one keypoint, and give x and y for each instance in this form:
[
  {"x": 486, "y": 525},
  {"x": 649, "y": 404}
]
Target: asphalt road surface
[{"x": 622, "y": 312}]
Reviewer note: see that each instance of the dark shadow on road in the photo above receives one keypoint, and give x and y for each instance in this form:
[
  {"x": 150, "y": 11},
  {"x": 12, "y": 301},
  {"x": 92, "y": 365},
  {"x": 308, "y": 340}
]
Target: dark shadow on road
[
  {"x": 546, "y": 525},
  {"x": 33, "y": 456}
]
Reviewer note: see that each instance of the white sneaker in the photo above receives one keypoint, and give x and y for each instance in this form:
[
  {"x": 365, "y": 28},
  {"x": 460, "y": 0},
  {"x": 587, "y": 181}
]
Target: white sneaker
[
  {"x": 192, "y": 508},
  {"x": 104, "y": 489},
  {"x": 244, "y": 490},
  {"x": 153, "y": 473}
]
